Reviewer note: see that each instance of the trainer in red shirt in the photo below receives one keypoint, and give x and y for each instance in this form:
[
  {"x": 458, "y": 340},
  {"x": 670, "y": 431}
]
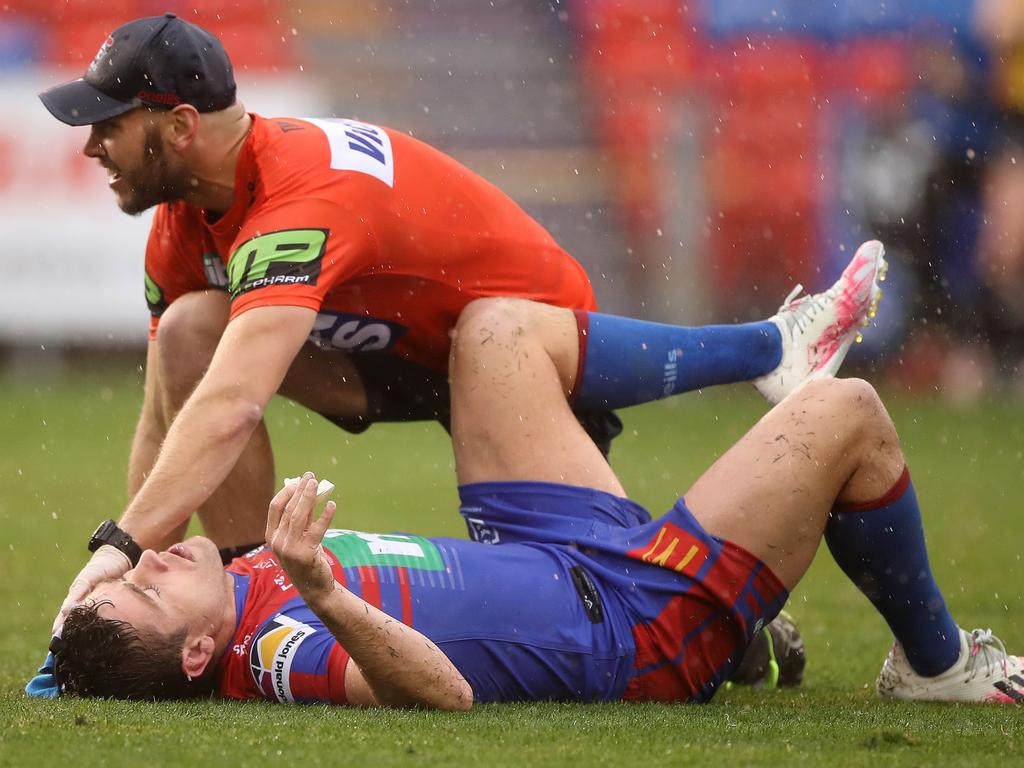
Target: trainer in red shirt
[{"x": 277, "y": 242}]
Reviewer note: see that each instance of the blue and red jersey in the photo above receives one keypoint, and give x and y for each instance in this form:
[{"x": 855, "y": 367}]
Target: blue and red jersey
[{"x": 655, "y": 611}]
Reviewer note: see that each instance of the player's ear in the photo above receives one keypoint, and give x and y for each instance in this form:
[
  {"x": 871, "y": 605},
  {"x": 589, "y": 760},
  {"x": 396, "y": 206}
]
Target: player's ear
[{"x": 197, "y": 655}]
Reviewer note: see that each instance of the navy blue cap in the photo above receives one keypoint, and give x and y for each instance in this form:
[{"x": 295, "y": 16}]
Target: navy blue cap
[{"x": 159, "y": 61}]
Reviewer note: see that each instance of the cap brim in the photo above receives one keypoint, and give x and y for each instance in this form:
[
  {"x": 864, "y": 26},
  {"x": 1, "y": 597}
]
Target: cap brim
[{"x": 78, "y": 103}]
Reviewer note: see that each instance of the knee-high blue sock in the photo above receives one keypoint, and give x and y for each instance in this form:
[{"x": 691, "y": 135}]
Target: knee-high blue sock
[
  {"x": 627, "y": 362},
  {"x": 880, "y": 546}
]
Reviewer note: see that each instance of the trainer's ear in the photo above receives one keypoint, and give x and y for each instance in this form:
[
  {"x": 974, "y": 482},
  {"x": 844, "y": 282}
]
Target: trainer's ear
[
  {"x": 181, "y": 126},
  {"x": 197, "y": 655}
]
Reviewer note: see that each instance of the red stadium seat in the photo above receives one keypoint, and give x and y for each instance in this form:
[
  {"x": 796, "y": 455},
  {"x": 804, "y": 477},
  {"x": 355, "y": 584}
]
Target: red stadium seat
[
  {"x": 253, "y": 46},
  {"x": 763, "y": 68},
  {"x": 872, "y": 69},
  {"x": 243, "y": 12},
  {"x": 59, "y": 11},
  {"x": 74, "y": 42}
]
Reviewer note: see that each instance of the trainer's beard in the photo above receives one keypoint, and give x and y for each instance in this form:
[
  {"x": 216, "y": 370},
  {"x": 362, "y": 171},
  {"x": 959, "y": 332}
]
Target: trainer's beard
[{"x": 158, "y": 179}]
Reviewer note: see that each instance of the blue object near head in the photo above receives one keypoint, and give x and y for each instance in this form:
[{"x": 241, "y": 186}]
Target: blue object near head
[{"x": 44, "y": 684}]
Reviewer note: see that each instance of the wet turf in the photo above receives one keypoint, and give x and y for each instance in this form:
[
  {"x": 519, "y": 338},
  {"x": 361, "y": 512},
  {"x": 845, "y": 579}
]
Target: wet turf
[{"x": 64, "y": 445}]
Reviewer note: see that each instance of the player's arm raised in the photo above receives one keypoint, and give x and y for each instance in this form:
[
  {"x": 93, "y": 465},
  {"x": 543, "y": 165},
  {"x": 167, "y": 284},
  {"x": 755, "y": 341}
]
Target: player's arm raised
[{"x": 391, "y": 664}]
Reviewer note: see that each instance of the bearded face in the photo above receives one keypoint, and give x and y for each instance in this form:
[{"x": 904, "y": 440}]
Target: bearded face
[
  {"x": 156, "y": 178},
  {"x": 139, "y": 169}
]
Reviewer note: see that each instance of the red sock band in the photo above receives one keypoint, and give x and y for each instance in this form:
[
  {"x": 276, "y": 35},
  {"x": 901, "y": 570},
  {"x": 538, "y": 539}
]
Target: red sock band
[
  {"x": 892, "y": 495},
  {"x": 582, "y": 327}
]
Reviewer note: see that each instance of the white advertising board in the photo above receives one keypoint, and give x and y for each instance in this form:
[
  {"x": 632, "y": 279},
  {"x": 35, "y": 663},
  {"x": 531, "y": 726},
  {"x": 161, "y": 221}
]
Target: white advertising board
[{"x": 71, "y": 264}]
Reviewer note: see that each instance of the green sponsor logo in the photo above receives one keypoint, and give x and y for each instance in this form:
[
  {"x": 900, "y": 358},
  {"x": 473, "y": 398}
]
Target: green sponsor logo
[
  {"x": 154, "y": 296},
  {"x": 289, "y": 257},
  {"x": 399, "y": 550}
]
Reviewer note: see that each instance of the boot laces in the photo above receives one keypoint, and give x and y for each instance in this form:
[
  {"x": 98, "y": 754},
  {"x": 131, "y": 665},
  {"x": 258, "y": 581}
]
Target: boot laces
[
  {"x": 802, "y": 311},
  {"x": 988, "y": 652}
]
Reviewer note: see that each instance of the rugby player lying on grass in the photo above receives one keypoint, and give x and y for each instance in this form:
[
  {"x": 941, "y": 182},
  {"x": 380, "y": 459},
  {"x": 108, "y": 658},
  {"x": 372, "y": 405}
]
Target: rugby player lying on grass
[
  {"x": 586, "y": 598},
  {"x": 632, "y": 362}
]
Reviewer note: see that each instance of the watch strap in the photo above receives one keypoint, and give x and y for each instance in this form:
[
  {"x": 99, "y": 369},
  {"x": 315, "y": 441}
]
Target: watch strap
[{"x": 108, "y": 532}]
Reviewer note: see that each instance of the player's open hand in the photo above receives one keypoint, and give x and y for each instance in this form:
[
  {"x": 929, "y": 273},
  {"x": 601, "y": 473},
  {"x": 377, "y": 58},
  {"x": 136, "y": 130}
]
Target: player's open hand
[{"x": 295, "y": 537}]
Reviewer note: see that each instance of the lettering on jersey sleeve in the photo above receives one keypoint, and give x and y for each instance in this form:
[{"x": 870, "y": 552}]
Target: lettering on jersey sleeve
[
  {"x": 288, "y": 257},
  {"x": 154, "y": 297},
  {"x": 355, "y": 548},
  {"x": 272, "y": 654},
  {"x": 359, "y": 147}
]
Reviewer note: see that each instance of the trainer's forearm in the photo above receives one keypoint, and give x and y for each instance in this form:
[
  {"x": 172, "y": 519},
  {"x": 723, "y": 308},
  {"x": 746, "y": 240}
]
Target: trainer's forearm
[
  {"x": 400, "y": 665},
  {"x": 144, "y": 450},
  {"x": 211, "y": 430},
  {"x": 150, "y": 429},
  {"x": 200, "y": 450}
]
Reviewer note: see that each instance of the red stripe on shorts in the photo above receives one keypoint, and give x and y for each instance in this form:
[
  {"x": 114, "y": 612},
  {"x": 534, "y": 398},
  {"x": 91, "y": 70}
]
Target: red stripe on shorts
[{"x": 683, "y": 665}]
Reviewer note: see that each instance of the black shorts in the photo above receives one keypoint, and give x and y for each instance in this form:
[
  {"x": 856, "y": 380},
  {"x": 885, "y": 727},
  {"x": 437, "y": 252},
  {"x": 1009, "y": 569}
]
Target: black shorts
[{"x": 397, "y": 390}]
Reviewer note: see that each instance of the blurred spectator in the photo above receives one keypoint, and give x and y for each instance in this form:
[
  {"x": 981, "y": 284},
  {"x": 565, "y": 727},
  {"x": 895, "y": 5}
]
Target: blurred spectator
[
  {"x": 1000, "y": 24},
  {"x": 939, "y": 176}
]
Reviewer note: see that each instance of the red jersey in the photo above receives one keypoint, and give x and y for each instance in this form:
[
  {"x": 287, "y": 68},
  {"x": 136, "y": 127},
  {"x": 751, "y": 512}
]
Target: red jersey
[{"x": 386, "y": 238}]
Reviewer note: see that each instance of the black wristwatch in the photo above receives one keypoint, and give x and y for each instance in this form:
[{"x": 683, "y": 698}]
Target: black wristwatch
[{"x": 109, "y": 533}]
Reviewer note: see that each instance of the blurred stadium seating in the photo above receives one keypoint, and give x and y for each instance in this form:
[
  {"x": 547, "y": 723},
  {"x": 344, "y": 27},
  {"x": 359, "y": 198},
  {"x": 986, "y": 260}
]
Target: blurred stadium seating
[
  {"x": 769, "y": 82},
  {"x": 693, "y": 154}
]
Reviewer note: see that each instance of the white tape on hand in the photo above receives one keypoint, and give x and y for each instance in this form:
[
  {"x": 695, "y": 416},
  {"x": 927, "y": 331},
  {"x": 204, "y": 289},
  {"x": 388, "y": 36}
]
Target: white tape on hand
[{"x": 323, "y": 488}]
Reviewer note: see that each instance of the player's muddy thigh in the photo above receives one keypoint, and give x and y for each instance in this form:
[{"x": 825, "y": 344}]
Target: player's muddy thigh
[
  {"x": 829, "y": 442},
  {"x": 512, "y": 362}
]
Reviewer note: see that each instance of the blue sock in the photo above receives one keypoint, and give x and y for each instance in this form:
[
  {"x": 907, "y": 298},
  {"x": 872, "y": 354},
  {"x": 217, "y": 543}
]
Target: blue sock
[
  {"x": 627, "y": 362},
  {"x": 880, "y": 546}
]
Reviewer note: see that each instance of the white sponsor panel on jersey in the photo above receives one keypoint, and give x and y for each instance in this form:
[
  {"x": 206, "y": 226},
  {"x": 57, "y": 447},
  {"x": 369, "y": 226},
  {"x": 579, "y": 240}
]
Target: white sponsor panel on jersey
[
  {"x": 359, "y": 147},
  {"x": 73, "y": 268}
]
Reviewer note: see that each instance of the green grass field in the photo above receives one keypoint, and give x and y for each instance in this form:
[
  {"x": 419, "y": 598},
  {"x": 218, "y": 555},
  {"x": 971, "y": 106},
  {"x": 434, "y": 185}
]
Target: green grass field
[{"x": 62, "y": 457}]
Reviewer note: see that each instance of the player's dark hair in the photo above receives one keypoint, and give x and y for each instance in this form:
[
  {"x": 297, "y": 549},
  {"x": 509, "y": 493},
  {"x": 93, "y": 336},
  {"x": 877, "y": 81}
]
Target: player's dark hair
[{"x": 108, "y": 658}]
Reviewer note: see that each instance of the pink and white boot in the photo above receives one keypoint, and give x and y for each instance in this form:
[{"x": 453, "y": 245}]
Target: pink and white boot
[{"x": 819, "y": 329}]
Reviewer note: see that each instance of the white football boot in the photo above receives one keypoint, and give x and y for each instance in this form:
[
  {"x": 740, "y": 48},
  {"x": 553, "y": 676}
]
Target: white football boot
[
  {"x": 984, "y": 673},
  {"x": 819, "y": 329}
]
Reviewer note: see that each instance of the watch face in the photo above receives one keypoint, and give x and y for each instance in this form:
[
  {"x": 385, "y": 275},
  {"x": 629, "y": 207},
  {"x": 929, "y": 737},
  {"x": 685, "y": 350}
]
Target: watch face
[{"x": 101, "y": 534}]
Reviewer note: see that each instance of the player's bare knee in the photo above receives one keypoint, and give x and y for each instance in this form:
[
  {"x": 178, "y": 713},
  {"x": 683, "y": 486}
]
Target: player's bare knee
[
  {"x": 499, "y": 321},
  {"x": 861, "y": 419},
  {"x": 865, "y": 404},
  {"x": 495, "y": 312},
  {"x": 848, "y": 406},
  {"x": 877, "y": 432}
]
